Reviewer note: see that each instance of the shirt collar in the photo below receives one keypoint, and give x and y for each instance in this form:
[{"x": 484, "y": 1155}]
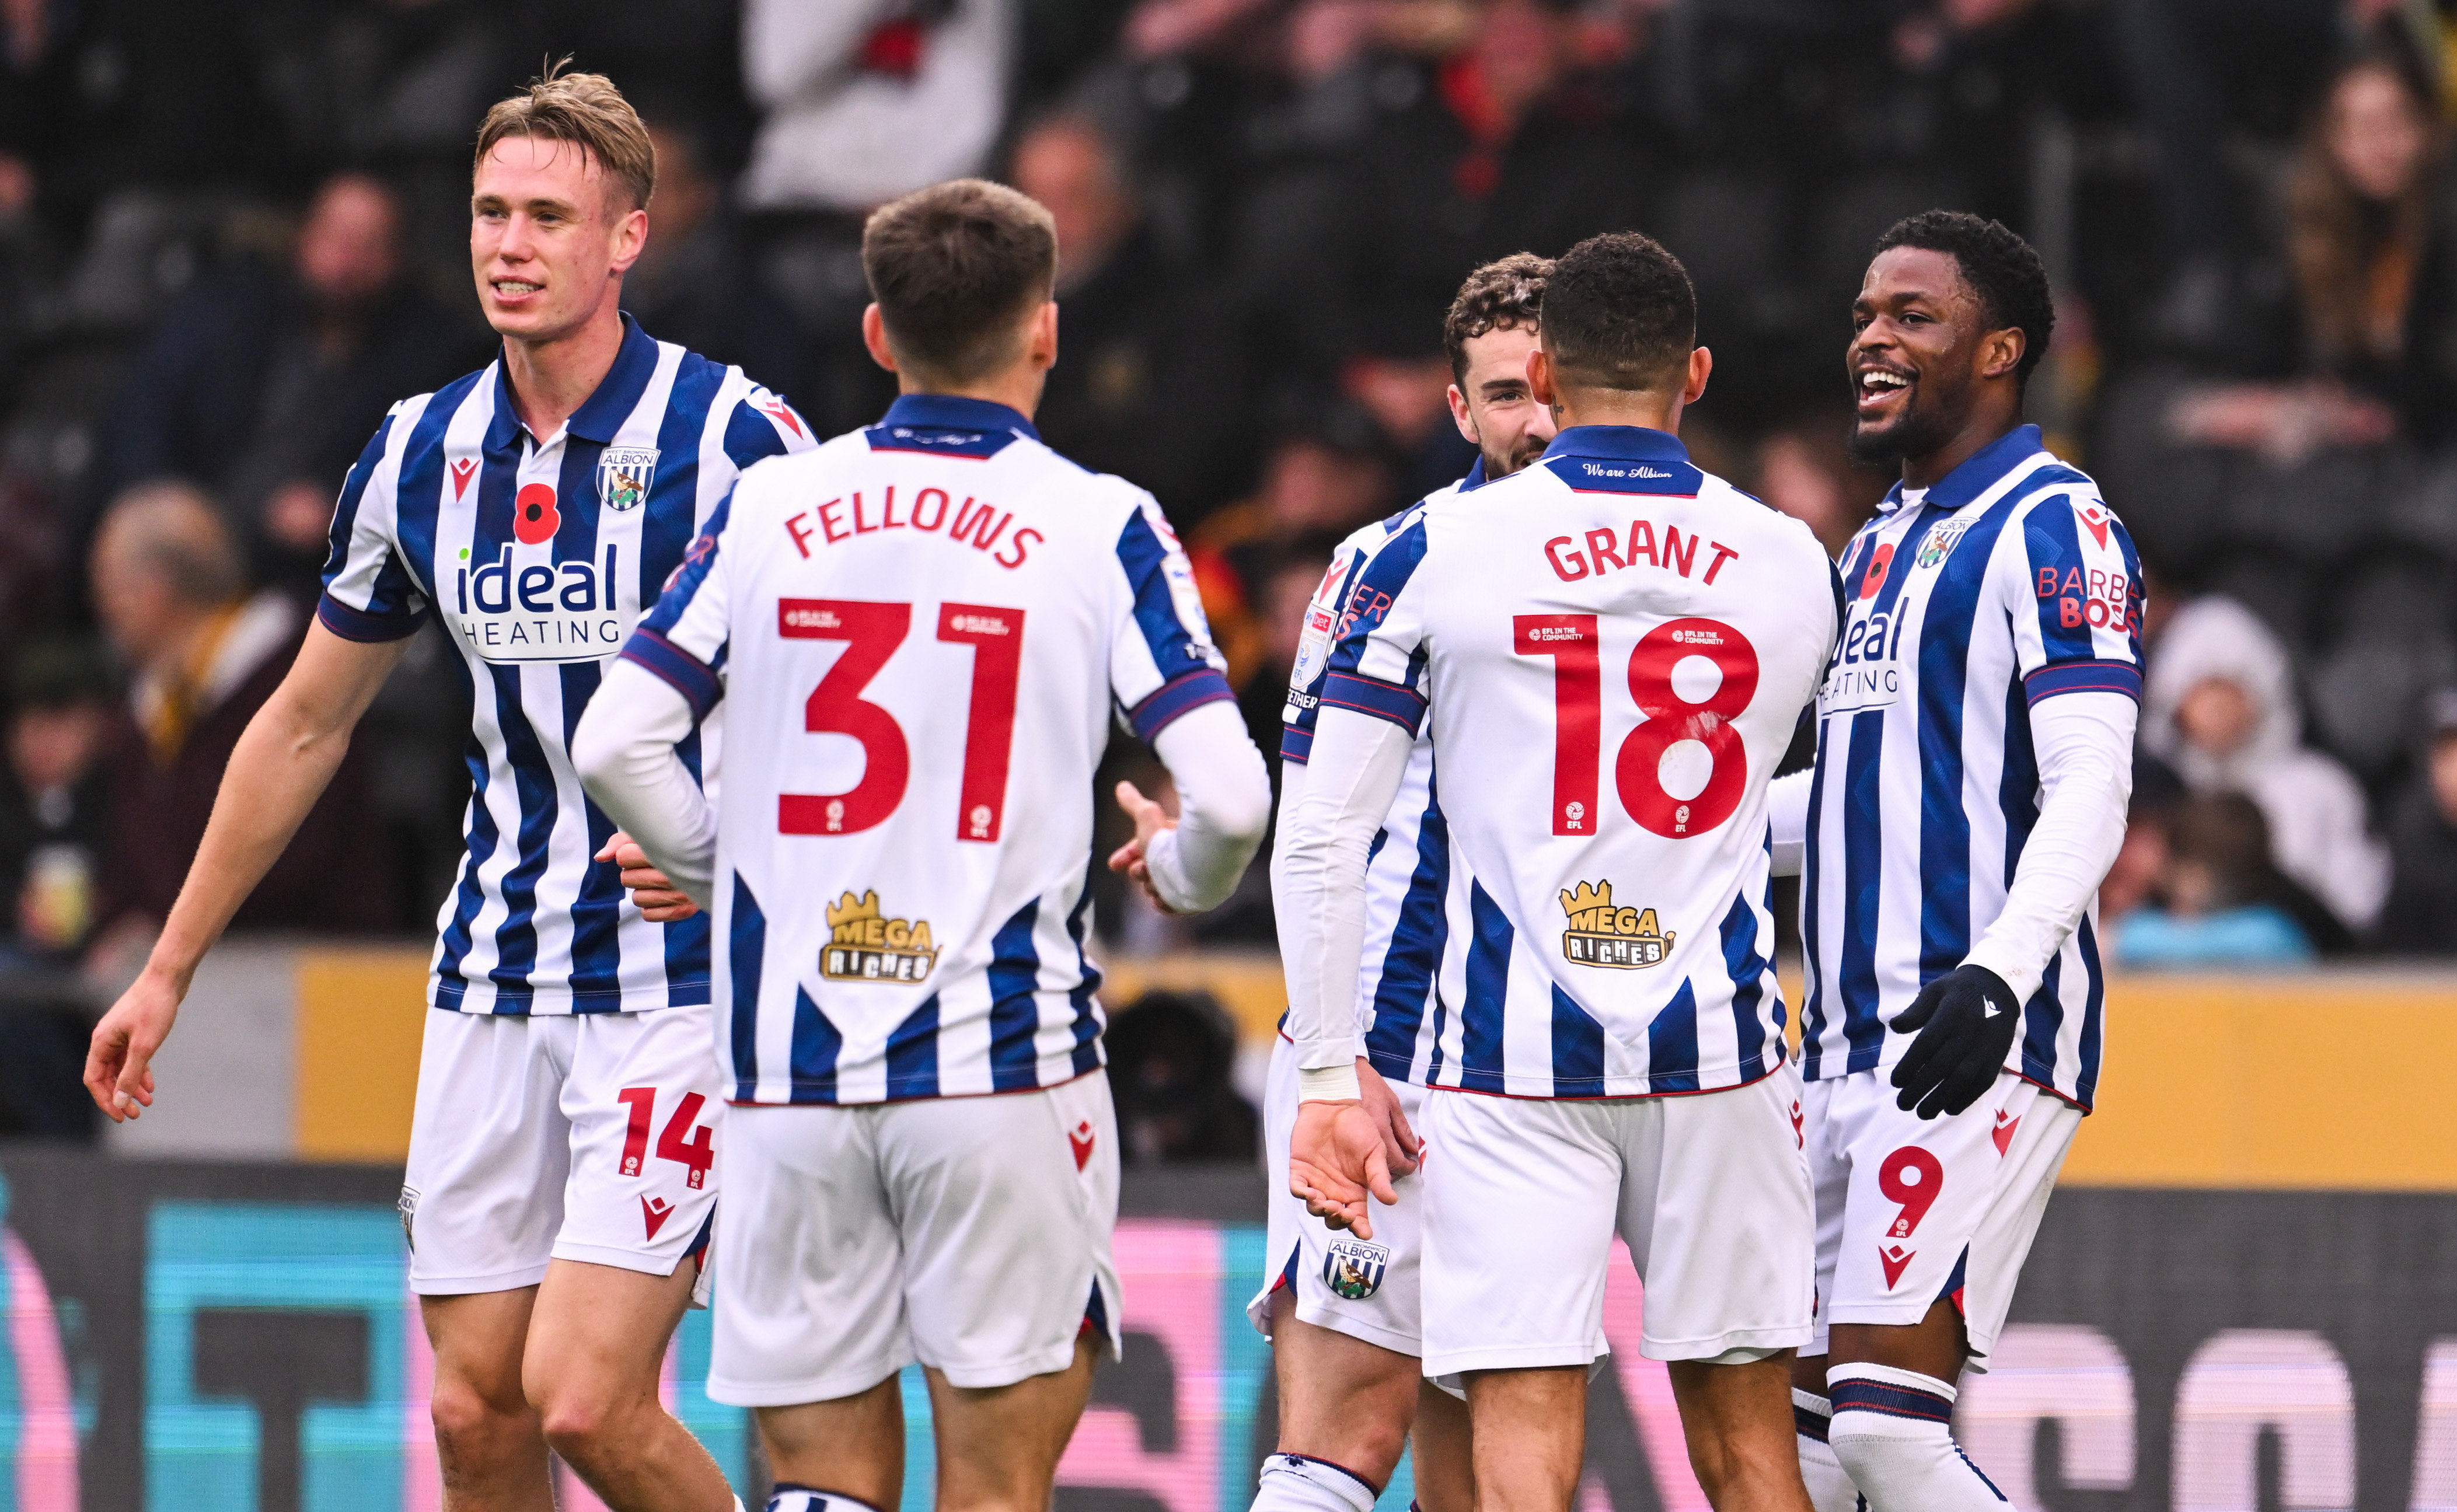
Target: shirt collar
[
  {"x": 603, "y": 412},
  {"x": 1476, "y": 478},
  {"x": 1636, "y": 443},
  {"x": 1978, "y": 473},
  {"x": 956, "y": 412}
]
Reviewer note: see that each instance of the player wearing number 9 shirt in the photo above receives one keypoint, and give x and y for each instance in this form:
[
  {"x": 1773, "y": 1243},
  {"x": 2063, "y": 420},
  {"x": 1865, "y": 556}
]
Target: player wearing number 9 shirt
[
  {"x": 922, "y": 632},
  {"x": 1612, "y": 648}
]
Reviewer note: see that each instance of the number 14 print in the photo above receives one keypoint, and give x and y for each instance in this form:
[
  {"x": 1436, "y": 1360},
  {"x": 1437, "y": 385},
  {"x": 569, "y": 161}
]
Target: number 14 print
[{"x": 871, "y": 633}]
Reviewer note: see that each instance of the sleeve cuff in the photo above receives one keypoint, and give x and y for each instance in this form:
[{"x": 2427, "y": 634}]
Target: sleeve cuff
[
  {"x": 359, "y": 625},
  {"x": 677, "y": 668},
  {"x": 2025, "y": 984},
  {"x": 1296, "y": 744},
  {"x": 1332, "y": 1084},
  {"x": 1178, "y": 697},
  {"x": 2083, "y": 676},
  {"x": 1403, "y": 706}
]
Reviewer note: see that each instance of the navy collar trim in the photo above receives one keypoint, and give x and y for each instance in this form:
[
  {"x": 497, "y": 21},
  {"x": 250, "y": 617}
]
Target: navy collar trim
[
  {"x": 603, "y": 412},
  {"x": 1983, "y": 469},
  {"x": 1476, "y": 478},
  {"x": 956, "y": 412},
  {"x": 1636, "y": 443}
]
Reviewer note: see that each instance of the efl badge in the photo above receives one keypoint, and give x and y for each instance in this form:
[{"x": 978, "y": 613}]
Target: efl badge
[
  {"x": 1354, "y": 1268},
  {"x": 624, "y": 474},
  {"x": 863, "y": 946},
  {"x": 1601, "y": 935}
]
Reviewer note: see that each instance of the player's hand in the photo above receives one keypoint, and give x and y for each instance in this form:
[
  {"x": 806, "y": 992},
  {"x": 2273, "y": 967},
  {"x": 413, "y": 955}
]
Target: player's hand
[
  {"x": 1400, "y": 1147},
  {"x": 1334, "y": 1159},
  {"x": 119, "y": 1061},
  {"x": 660, "y": 900},
  {"x": 1130, "y": 859},
  {"x": 1966, "y": 1021}
]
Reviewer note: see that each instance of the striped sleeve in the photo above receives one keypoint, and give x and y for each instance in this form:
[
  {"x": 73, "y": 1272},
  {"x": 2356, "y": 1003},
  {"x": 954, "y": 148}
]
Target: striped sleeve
[
  {"x": 2073, "y": 593},
  {"x": 1312, "y": 664},
  {"x": 1162, "y": 662},
  {"x": 369, "y": 595},
  {"x": 682, "y": 641},
  {"x": 1377, "y": 664}
]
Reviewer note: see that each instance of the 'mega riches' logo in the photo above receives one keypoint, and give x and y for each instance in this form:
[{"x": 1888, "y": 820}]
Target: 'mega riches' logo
[
  {"x": 864, "y": 946},
  {"x": 1601, "y": 935}
]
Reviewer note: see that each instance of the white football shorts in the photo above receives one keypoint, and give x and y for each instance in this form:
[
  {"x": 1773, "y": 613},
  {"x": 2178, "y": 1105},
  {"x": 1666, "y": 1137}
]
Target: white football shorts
[
  {"x": 570, "y": 1136},
  {"x": 968, "y": 1233},
  {"x": 1911, "y": 1210},
  {"x": 1365, "y": 1289},
  {"x": 1523, "y": 1196}
]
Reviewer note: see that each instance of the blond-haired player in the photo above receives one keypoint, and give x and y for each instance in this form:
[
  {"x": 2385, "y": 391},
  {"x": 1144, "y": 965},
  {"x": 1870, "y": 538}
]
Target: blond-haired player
[{"x": 560, "y": 1187}]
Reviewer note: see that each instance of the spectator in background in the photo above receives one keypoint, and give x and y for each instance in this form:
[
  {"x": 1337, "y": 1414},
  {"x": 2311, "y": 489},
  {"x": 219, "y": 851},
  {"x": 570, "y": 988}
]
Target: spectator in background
[
  {"x": 1803, "y": 469},
  {"x": 2220, "y": 707},
  {"x": 2141, "y": 867},
  {"x": 696, "y": 285},
  {"x": 2360, "y": 345},
  {"x": 1170, "y": 1056},
  {"x": 1151, "y": 382},
  {"x": 868, "y": 99},
  {"x": 2421, "y": 918},
  {"x": 171, "y": 590},
  {"x": 264, "y": 382},
  {"x": 53, "y": 802},
  {"x": 2215, "y": 905},
  {"x": 1508, "y": 149}
]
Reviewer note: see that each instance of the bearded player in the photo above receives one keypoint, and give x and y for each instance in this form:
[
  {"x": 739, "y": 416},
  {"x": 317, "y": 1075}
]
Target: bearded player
[
  {"x": 1341, "y": 1310},
  {"x": 559, "y": 1191},
  {"x": 1974, "y": 759}
]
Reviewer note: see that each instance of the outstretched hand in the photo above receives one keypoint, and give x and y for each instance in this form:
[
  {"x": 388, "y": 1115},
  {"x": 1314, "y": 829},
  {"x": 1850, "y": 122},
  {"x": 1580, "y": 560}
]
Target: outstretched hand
[
  {"x": 1132, "y": 860},
  {"x": 1335, "y": 1158},
  {"x": 659, "y": 900}
]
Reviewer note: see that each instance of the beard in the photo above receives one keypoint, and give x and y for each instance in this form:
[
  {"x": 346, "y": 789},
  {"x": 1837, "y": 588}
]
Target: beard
[
  {"x": 1922, "y": 426},
  {"x": 1515, "y": 460}
]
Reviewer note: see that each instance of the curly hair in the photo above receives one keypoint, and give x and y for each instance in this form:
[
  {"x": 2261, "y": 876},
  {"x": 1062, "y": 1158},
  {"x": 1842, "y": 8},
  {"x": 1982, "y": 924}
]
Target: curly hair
[
  {"x": 1620, "y": 313},
  {"x": 2000, "y": 267},
  {"x": 1504, "y": 294}
]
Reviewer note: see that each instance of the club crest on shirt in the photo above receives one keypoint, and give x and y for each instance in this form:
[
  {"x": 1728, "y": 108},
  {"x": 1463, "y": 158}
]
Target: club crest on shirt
[
  {"x": 1940, "y": 542},
  {"x": 1354, "y": 1269},
  {"x": 624, "y": 474},
  {"x": 1601, "y": 935},
  {"x": 865, "y": 945}
]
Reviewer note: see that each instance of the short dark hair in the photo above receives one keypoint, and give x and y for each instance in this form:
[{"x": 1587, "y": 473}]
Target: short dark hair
[
  {"x": 2001, "y": 268},
  {"x": 1620, "y": 313},
  {"x": 954, "y": 267},
  {"x": 1504, "y": 294}
]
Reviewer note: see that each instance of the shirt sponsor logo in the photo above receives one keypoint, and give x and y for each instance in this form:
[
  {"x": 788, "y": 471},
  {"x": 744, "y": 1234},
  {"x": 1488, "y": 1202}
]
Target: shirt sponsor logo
[
  {"x": 865, "y": 945},
  {"x": 540, "y": 611},
  {"x": 624, "y": 476},
  {"x": 1602, "y": 935}
]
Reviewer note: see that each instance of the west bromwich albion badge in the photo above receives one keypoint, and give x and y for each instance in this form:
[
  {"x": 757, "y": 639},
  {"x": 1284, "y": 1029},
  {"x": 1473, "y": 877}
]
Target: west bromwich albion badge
[
  {"x": 624, "y": 474},
  {"x": 1354, "y": 1268}
]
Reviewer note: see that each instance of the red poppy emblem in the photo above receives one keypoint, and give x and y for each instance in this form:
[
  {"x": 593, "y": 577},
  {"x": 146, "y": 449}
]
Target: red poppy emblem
[{"x": 535, "y": 517}]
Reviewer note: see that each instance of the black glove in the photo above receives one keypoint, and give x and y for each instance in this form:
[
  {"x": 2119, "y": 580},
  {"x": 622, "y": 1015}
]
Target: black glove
[{"x": 1966, "y": 1021}]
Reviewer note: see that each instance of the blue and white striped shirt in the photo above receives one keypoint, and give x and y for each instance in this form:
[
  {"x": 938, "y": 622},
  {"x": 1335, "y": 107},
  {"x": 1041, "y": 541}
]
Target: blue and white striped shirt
[
  {"x": 2006, "y": 583},
  {"x": 540, "y": 555}
]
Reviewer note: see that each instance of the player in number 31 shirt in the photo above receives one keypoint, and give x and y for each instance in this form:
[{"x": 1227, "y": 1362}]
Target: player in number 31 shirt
[{"x": 922, "y": 633}]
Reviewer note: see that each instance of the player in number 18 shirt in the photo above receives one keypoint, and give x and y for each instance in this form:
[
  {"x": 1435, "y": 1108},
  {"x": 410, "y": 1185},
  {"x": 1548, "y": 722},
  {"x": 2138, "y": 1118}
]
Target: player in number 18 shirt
[
  {"x": 924, "y": 632},
  {"x": 1611, "y": 648}
]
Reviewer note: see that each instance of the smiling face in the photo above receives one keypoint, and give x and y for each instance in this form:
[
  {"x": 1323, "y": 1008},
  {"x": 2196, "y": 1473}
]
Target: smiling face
[
  {"x": 1921, "y": 353},
  {"x": 550, "y": 236},
  {"x": 1494, "y": 408}
]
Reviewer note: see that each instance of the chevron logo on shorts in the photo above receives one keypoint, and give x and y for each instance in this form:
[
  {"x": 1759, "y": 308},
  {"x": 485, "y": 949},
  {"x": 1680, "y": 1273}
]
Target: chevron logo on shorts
[{"x": 654, "y": 1212}]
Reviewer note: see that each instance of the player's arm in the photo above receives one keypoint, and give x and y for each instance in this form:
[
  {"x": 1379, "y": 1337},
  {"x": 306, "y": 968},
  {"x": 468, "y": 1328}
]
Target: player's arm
[
  {"x": 279, "y": 767},
  {"x": 658, "y": 691},
  {"x": 2083, "y": 684}
]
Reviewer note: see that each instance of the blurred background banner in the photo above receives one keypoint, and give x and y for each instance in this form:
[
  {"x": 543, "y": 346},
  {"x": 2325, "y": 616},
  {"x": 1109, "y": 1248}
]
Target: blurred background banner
[{"x": 225, "y": 1336}]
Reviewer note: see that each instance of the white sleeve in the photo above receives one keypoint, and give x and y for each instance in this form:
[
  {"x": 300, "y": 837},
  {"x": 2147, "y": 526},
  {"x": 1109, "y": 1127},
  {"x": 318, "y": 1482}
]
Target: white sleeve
[
  {"x": 1358, "y": 765},
  {"x": 2084, "y": 741},
  {"x": 1223, "y": 805},
  {"x": 791, "y": 50},
  {"x": 1787, "y": 814},
  {"x": 624, "y": 751}
]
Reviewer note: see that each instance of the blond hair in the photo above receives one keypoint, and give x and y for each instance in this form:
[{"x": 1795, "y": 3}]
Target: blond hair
[{"x": 589, "y": 113}]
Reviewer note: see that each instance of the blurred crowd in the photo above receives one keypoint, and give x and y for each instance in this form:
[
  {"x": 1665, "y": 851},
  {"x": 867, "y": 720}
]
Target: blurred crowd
[{"x": 233, "y": 231}]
